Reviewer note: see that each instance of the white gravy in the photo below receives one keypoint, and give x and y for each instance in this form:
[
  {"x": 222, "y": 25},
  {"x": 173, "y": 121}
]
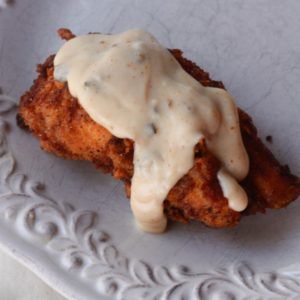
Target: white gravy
[{"x": 134, "y": 87}]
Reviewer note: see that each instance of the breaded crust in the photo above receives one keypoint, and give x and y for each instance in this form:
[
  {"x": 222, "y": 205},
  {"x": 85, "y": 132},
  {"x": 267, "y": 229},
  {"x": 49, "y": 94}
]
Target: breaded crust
[{"x": 65, "y": 129}]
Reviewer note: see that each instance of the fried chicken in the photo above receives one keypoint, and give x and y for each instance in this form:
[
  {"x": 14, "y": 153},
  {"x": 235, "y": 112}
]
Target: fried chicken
[{"x": 65, "y": 129}]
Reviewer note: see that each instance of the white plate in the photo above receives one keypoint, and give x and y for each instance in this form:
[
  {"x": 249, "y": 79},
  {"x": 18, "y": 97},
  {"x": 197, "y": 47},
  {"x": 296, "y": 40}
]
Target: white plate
[{"x": 77, "y": 233}]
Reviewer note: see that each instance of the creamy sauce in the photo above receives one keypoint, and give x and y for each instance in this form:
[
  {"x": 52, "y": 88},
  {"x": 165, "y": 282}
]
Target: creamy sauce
[
  {"x": 132, "y": 86},
  {"x": 236, "y": 195}
]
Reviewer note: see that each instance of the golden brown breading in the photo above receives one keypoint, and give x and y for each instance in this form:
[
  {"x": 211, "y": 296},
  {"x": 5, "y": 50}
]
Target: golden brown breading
[{"x": 65, "y": 129}]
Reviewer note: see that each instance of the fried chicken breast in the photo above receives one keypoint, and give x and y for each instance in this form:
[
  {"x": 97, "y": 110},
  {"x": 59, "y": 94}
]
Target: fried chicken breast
[{"x": 64, "y": 128}]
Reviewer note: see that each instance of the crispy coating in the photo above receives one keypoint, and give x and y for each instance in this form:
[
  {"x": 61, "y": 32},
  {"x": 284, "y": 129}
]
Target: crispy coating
[{"x": 65, "y": 129}]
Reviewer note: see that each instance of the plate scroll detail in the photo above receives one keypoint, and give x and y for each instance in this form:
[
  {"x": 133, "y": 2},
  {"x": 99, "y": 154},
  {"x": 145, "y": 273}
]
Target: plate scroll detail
[{"x": 75, "y": 240}]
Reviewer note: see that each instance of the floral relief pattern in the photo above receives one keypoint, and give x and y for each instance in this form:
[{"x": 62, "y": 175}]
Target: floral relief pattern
[{"x": 74, "y": 238}]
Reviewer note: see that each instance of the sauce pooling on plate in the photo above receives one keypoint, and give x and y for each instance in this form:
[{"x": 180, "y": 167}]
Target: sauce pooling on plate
[{"x": 132, "y": 86}]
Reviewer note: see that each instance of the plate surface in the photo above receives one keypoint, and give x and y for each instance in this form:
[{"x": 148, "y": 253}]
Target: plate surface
[{"x": 72, "y": 225}]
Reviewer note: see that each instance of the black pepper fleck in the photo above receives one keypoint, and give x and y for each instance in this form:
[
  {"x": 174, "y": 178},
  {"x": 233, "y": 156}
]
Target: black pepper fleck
[{"x": 269, "y": 139}]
